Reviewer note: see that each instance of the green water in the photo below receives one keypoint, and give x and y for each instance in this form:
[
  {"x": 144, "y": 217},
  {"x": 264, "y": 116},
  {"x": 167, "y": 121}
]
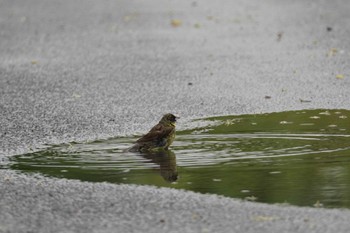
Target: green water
[{"x": 297, "y": 157}]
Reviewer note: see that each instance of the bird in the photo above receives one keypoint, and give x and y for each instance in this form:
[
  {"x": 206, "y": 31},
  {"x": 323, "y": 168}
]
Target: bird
[{"x": 161, "y": 136}]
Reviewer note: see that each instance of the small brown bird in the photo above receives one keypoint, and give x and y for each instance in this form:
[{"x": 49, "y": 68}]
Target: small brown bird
[{"x": 160, "y": 136}]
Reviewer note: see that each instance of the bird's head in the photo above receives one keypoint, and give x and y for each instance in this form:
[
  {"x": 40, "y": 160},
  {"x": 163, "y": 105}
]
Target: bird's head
[{"x": 169, "y": 119}]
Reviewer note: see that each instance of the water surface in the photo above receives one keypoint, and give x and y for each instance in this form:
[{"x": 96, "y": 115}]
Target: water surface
[{"x": 295, "y": 157}]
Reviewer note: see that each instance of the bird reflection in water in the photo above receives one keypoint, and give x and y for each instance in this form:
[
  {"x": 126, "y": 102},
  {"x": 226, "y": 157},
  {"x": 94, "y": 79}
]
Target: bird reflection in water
[{"x": 166, "y": 160}]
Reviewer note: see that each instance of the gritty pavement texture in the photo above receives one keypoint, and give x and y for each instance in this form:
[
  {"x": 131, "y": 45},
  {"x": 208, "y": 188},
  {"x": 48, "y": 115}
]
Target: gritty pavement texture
[{"x": 84, "y": 70}]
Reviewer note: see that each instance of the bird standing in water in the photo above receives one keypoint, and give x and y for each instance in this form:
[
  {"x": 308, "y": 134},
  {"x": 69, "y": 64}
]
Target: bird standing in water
[{"x": 160, "y": 136}]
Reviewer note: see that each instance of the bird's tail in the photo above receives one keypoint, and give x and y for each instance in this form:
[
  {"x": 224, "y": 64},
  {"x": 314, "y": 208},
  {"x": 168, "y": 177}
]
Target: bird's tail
[{"x": 135, "y": 148}]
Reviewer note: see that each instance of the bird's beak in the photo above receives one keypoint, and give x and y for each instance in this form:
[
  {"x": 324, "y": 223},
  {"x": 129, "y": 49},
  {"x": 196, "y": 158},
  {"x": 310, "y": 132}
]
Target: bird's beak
[{"x": 177, "y": 117}]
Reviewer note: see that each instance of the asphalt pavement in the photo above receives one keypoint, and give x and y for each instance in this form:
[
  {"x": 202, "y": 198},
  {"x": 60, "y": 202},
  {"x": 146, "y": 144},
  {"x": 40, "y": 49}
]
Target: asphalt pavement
[{"x": 85, "y": 70}]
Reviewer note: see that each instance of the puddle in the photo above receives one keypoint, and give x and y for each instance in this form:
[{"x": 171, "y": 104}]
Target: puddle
[{"x": 297, "y": 157}]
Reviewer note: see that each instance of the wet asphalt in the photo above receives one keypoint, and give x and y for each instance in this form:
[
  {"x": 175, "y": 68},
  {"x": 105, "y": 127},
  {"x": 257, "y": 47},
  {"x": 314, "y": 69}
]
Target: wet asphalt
[{"x": 85, "y": 70}]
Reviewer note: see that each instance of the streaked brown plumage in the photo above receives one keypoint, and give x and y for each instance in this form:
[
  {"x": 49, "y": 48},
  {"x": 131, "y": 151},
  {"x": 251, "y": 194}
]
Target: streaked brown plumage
[{"x": 160, "y": 136}]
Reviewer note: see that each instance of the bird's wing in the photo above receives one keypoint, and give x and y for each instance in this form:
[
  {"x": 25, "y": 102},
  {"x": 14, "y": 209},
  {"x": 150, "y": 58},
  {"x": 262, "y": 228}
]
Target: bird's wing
[{"x": 158, "y": 131}]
